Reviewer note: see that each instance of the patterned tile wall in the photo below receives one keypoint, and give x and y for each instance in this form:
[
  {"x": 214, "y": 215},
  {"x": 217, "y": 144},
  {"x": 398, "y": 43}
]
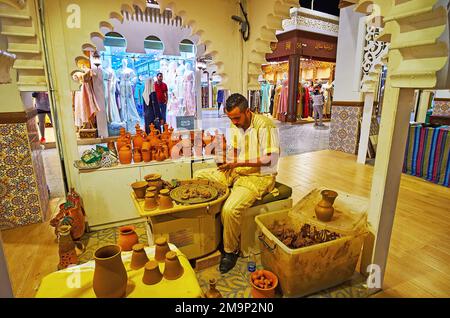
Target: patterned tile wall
[
  {"x": 441, "y": 108},
  {"x": 345, "y": 127},
  {"x": 20, "y": 199}
]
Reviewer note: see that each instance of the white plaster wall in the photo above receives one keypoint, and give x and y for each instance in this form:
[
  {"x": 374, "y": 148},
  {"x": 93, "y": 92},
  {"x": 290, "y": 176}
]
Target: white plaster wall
[
  {"x": 442, "y": 94},
  {"x": 349, "y": 55}
]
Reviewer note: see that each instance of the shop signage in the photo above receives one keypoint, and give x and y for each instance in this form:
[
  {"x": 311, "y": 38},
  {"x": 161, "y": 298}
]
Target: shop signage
[{"x": 186, "y": 122}]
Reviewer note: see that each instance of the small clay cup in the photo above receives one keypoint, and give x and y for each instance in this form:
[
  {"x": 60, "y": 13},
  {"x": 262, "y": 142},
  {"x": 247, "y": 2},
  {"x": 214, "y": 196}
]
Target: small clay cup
[
  {"x": 165, "y": 201},
  {"x": 139, "y": 257},
  {"x": 173, "y": 268},
  {"x": 161, "y": 249},
  {"x": 150, "y": 202},
  {"x": 139, "y": 189},
  {"x": 152, "y": 274},
  {"x": 155, "y": 191}
]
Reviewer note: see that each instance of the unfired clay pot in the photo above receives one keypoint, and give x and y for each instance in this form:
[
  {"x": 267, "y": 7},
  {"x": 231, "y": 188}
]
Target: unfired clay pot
[
  {"x": 150, "y": 202},
  {"x": 324, "y": 209},
  {"x": 67, "y": 253},
  {"x": 139, "y": 257},
  {"x": 137, "y": 157},
  {"x": 154, "y": 180},
  {"x": 127, "y": 237},
  {"x": 173, "y": 268},
  {"x": 139, "y": 189},
  {"x": 110, "y": 276},
  {"x": 125, "y": 155},
  {"x": 165, "y": 201},
  {"x": 213, "y": 292},
  {"x": 161, "y": 249},
  {"x": 152, "y": 274}
]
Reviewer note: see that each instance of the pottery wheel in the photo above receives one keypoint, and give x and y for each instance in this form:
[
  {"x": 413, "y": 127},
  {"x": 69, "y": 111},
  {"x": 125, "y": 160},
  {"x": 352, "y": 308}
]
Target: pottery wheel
[{"x": 194, "y": 194}]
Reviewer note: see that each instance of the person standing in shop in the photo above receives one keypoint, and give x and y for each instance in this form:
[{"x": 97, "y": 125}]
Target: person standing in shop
[
  {"x": 43, "y": 110},
  {"x": 318, "y": 101},
  {"x": 250, "y": 169},
  {"x": 162, "y": 97}
]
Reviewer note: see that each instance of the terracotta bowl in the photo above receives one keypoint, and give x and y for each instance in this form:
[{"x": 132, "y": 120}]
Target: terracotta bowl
[
  {"x": 139, "y": 189},
  {"x": 258, "y": 292}
]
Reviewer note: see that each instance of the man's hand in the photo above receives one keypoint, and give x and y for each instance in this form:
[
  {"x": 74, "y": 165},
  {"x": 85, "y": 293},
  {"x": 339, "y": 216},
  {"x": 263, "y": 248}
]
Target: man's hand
[{"x": 228, "y": 167}]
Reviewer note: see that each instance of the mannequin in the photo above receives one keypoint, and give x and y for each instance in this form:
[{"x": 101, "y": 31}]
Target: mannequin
[
  {"x": 109, "y": 79},
  {"x": 172, "y": 105},
  {"x": 99, "y": 96},
  {"x": 189, "y": 90},
  {"x": 129, "y": 112},
  {"x": 179, "y": 82},
  {"x": 138, "y": 91},
  {"x": 283, "y": 102},
  {"x": 85, "y": 104}
]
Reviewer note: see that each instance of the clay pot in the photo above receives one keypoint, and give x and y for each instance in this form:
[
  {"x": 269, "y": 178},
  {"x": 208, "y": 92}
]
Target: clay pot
[
  {"x": 166, "y": 153},
  {"x": 139, "y": 138},
  {"x": 127, "y": 238},
  {"x": 161, "y": 249},
  {"x": 173, "y": 268},
  {"x": 258, "y": 292},
  {"x": 139, "y": 189},
  {"x": 125, "y": 155},
  {"x": 139, "y": 257},
  {"x": 150, "y": 202},
  {"x": 124, "y": 139},
  {"x": 154, "y": 180},
  {"x": 165, "y": 201},
  {"x": 154, "y": 137},
  {"x": 213, "y": 292},
  {"x": 110, "y": 276},
  {"x": 155, "y": 191},
  {"x": 146, "y": 155},
  {"x": 137, "y": 157},
  {"x": 152, "y": 274},
  {"x": 78, "y": 224},
  {"x": 324, "y": 209},
  {"x": 67, "y": 254}
]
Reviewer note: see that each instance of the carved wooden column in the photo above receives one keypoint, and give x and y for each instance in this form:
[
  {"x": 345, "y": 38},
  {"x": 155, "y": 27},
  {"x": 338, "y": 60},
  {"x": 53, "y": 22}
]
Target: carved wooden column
[{"x": 294, "y": 70}]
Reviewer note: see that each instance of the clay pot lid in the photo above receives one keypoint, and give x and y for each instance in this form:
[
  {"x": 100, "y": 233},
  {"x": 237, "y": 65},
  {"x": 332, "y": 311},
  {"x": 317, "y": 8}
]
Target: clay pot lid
[
  {"x": 171, "y": 256},
  {"x": 151, "y": 265},
  {"x": 164, "y": 192},
  {"x": 138, "y": 247},
  {"x": 151, "y": 189},
  {"x": 139, "y": 184},
  {"x": 149, "y": 194},
  {"x": 152, "y": 177},
  {"x": 161, "y": 241}
]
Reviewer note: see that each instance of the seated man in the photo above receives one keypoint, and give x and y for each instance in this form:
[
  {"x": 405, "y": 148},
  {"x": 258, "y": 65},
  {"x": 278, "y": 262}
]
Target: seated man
[{"x": 250, "y": 169}]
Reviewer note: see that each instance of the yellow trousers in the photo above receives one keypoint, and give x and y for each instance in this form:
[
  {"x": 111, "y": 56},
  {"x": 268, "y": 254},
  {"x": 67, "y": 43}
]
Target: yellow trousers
[{"x": 245, "y": 191}]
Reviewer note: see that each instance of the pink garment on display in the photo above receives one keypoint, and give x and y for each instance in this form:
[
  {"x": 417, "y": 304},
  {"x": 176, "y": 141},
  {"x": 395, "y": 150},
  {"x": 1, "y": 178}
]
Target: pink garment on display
[
  {"x": 90, "y": 107},
  {"x": 189, "y": 96},
  {"x": 78, "y": 103},
  {"x": 283, "y": 102}
]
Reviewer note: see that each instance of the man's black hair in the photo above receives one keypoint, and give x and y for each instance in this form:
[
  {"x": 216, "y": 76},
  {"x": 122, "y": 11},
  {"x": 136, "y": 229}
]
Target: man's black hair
[
  {"x": 237, "y": 100},
  {"x": 159, "y": 74}
]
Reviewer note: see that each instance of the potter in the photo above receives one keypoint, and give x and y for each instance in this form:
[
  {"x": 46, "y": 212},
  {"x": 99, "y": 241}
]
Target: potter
[{"x": 192, "y": 308}]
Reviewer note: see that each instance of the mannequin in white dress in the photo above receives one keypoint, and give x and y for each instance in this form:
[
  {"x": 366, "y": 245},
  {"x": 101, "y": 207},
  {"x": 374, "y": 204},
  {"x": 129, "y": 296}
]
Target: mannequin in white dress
[
  {"x": 109, "y": 80},
  {"x": 129, "y": 112},
  {"x": 189, "y": 91}
]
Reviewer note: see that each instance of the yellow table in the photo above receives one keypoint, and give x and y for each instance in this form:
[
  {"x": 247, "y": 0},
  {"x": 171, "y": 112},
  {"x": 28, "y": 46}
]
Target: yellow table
[{"x": 76, "y": 282}]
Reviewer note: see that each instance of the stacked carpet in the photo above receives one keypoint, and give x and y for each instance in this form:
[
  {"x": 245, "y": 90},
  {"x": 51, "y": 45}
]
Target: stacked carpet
[{"x": 427, "y": 153}]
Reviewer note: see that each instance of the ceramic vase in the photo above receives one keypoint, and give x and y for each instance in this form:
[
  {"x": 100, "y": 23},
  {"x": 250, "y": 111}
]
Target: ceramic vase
[
  {"x": 125, "y": 155},
  {"x": 146, "y": 155},
  {"x": 152, "y": 274},
  {"x": 139, "y": 138},
  {"x": 137, "y": 157},
  {"x": 127, "y": 238},
  {"x": 172, "y": 266},
  {"x": 110, "y": 276},
  {"x": 161, "y": 249},
  {"x": 67, "y": 253},
  {"x": 139, "y": 257},
  {"x": 165, "y": 201},
  {"x": 212, "y": 291},
  {"x": 139, "y": 189},
  {"x": 324, "y": 209},
  {"x": 150, "y": 202}
]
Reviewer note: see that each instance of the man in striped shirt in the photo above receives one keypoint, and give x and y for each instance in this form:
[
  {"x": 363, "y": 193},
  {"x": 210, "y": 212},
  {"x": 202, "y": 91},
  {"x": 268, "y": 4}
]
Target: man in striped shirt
[{"x": 250, "y": 169}]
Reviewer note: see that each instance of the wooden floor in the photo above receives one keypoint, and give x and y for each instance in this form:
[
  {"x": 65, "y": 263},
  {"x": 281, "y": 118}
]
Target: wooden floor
[{"x": 419, "y": 256}]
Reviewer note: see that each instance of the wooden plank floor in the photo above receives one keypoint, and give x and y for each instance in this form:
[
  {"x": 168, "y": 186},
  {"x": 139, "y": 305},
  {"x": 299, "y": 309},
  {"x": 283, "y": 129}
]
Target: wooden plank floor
[{"x": 419, "y": 256}]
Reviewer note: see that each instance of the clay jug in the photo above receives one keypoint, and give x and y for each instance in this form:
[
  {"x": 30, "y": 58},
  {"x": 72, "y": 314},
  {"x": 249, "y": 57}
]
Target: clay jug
[
  {"x": 324, "y": 209},
  {"x": 154, "y": 138},
  {"x": 127, "y": 237},
  {"x": 121, "y": 141},
  {"x": 172, "y": 266},
  {"x": 125, "y": 155},
  {"x": 166, "y": 151},
  {"x": 137, "y": 157},
  {"x": 110, "y": 275},
  {"x": 161, "y": 249},
  {"x": 139, "y": 257},
  {"x": 67, "y": 254},
  {"x": 213, "y": 292},
  {"x": 146, "y": 155},
  {"x": 139, "y": 138},
  {"x": 78, "y": 225},
  {"x": 165, "y": 201},
  {"x": 154, "y": 180},
  {"x": 150, "y": 202},
  {"x": 152, "y": 274}
]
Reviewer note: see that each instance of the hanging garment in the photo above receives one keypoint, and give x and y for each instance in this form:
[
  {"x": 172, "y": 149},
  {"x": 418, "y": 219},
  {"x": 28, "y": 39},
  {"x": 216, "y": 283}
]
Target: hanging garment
[
  {"x": 272, "y": 98},
  {"x": 189, "y": 94},
  {"x": 276, "y": 101},
  {"x": 87, "y": 106},
  {"x": 112, "y": 111},
  {"x": 129, "y": 112},
  {"x": 265, "y": 97},
  {"x": 283, "y": 103},
  {"x": 117, "y": 94},
  {"x": 306, "y": 103},
  {"x": 99, "y": 96},
  {"x": 138, "y": 92},
  {"x": 329, "y": 101},
  {"x": 78, "y": 107},
  {"x": 300, "y": 101}
]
